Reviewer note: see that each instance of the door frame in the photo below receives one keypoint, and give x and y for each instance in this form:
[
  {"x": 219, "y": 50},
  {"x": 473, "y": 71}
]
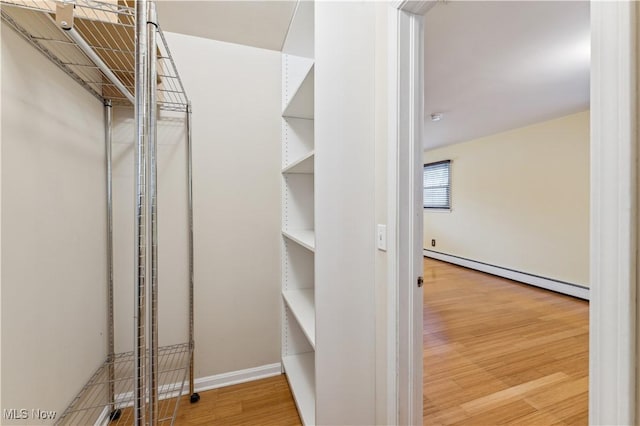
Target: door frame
[
  {"x": 614, "y": 226},
  {"x": 614, "y": 186},
  {"x": 405, "y": 212}
]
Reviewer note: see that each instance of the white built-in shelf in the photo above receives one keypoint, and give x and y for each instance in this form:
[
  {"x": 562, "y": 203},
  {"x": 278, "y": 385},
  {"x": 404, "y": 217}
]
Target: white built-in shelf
[
  {"x": 300, "y": 101},
  {"x": 301, "y": 303},
  {"x": 298, "y": 208},
  {"x": 301, "y": 165},
  {"x": 300, "y": 372},
  {"x": 305, "y": 237}
]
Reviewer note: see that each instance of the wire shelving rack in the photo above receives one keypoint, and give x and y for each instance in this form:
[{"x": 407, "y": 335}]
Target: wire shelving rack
[
  {"x": 108, "y": 27},
  {"x": 116, "y": 50}
]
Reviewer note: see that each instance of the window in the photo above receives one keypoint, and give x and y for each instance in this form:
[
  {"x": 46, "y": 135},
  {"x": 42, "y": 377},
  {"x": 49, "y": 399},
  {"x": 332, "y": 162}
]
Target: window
[{"x": 437, "y": 185}]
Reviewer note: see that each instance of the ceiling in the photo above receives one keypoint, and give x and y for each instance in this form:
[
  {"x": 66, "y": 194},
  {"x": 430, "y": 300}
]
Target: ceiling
[
  {"x": 261, "y": 24},
  {"x": 489, "y": 66},
  {"x": 495, "y": 66}
]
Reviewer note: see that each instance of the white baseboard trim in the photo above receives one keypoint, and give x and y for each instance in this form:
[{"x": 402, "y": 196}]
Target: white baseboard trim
[
  {"x": 202, "y": 384},
  {"x": 236, "y": 377},
  {"x": 546, "y": 283}
]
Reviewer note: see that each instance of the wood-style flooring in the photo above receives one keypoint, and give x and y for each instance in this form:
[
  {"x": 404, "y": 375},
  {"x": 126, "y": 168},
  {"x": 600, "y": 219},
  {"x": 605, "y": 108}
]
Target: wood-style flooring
[
  {"x": 499, "y": 352},
  {"x": 265, "y": 402},
  {"x": 495, "y": 352}
]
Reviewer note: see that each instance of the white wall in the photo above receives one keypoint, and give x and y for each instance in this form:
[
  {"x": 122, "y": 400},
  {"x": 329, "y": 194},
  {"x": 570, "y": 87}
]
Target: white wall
[
  {"x": 381, "y": 279},
  {"x": 235, "y": 92},
  {"x": 53, "y": 232},
  {"x": 345, "y": 184},
  {"x": 520, "y": 200}
]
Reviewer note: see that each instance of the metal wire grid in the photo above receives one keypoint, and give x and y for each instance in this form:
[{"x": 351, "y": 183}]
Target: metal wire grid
[
  {"x": 92, "y": 406},
  {"x": 108, "y": 27}
]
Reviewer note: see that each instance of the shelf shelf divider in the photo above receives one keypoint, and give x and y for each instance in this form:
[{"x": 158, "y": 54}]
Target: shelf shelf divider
[
  {"x": 300, "y": 101},
  {"x": 305, "y": 164},
  {"x": 305, "y": 237},
  {"x": 302, "y": 305}
]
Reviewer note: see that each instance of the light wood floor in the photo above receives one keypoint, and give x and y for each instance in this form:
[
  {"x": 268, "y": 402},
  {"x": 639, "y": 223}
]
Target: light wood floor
[
  {"x": 265, "y": 402},
  {"x": 498, "y": 352},
  {"x": 495, "y": 352}
]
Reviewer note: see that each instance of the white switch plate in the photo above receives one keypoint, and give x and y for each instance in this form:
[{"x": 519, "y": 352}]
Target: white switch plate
[{"x": 382, "y": 237}]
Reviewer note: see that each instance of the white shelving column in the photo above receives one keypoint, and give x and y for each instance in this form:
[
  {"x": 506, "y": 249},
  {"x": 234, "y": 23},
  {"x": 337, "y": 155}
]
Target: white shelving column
[{"x": 298, "y": 224}]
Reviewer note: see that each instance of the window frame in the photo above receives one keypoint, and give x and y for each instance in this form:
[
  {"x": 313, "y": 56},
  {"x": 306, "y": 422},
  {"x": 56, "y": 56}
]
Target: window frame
[{"x": 448, "y": 186}]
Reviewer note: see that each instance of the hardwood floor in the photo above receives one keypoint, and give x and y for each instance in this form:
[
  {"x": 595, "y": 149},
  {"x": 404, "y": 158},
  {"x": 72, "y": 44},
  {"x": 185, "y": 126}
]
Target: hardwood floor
[
  {"x": 499, "y": 352},
  {"x": 495, "y": 352},
  {"x": 262, "y": 402}
]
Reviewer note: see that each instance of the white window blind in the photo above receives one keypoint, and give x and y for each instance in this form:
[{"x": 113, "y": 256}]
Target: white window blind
[{"x": 437, "y": 185}]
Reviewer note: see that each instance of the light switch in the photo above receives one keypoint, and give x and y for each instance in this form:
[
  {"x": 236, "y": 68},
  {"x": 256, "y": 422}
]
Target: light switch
[{"x": 382, "y": 237}]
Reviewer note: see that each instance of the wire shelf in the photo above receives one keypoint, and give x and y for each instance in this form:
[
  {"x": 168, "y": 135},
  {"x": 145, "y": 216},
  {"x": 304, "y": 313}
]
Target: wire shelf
[
  {"x": 108, "y": 27},
  {"x": 92, "y": 406}
]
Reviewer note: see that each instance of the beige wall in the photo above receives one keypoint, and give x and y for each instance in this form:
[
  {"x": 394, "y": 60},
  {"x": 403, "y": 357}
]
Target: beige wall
[
  {"x": 520, "y": 200},
  {"x": 381, "y": 123},
  {"x": 53, "y": 232},
  {"x": 235, "y": 92}
]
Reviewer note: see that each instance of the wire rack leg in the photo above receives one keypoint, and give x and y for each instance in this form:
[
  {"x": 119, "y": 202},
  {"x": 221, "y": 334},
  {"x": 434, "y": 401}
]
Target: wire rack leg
[
  {"x": 195, "y": 397},
  {"x": 114, "y": 413}
]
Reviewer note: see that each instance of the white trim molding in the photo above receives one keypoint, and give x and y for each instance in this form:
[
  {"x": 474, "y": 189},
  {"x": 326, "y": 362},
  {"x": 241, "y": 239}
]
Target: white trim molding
[
  {"x": 569, "y": 289},
  {"x": 236, "y": 377},
  {"x": 612, "y": 351},
  {"x": 613, "y": 229},
  {"x": 405, "y": 211}
]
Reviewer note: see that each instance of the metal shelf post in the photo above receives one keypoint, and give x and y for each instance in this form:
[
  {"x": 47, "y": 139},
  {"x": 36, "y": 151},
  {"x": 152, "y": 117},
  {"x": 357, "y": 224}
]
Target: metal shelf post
[
  {"x": 142, "y": 128},
  {"x": 152, "y": 28},
  {"x": 195, "y": 397}
]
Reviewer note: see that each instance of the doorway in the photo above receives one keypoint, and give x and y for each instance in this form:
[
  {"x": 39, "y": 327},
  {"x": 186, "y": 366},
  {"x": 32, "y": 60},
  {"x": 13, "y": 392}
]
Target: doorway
[
  {"x": 506, "y": 197},
  {"x": 613, "y": 213}
]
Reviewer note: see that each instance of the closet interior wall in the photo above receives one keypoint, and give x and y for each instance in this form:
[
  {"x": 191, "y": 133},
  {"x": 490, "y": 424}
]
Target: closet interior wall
[
  {"x": 52, "y": 192},
  {"x": 236, "y": 175},
  {"x": 117, "y": 52}
]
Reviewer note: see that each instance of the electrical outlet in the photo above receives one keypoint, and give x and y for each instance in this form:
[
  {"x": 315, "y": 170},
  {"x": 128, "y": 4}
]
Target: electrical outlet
[{"x": 433, "y": 243}]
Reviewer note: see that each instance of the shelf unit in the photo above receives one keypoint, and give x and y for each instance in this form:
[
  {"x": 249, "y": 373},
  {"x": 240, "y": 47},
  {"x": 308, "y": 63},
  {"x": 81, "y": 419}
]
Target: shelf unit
[
  {"x": 118, "y": 53},
  {"x": 107, "y": 28},
  {"x": 298, "y": 211}
]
